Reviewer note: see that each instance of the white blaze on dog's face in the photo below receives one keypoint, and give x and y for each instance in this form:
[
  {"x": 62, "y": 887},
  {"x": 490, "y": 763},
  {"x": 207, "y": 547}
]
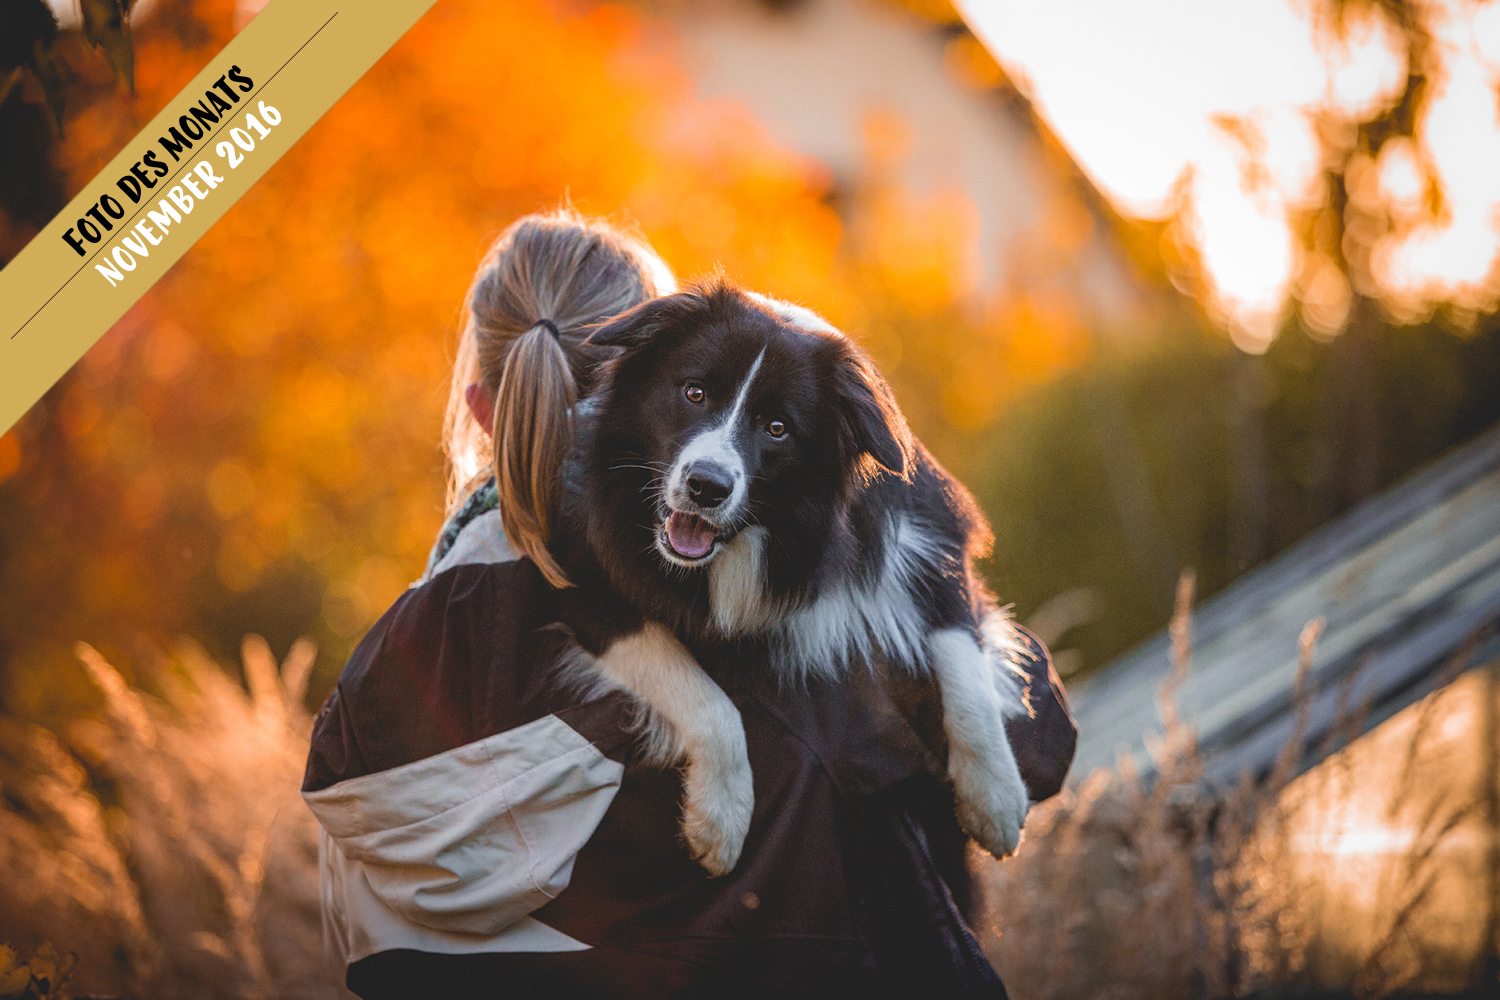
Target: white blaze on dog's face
[
  {"x": 707, "y": 490},
  {"x": 731, "y": 430}
]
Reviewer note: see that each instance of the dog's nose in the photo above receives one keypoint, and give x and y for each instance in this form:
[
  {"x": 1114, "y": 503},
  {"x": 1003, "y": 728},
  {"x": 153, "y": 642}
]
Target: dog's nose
[{"x": 709, "y": 484}]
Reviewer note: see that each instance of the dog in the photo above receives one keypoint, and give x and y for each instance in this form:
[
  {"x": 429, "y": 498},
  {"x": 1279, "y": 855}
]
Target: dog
[{"x": 747, "y": 475}]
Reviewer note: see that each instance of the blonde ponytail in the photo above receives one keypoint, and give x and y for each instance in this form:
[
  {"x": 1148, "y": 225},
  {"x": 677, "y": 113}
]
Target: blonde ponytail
[
  {"x": 547, "y": 279},
  {"x": 533, "y": 432}
]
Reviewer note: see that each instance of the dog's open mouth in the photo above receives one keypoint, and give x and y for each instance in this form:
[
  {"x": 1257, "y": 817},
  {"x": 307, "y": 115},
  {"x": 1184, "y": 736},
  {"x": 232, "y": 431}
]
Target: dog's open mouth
[{"x": 688, "y": 536}]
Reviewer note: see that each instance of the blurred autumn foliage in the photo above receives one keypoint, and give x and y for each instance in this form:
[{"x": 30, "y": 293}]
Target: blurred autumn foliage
[
  {"x": 254, "y": 446},
  {"x": 255, "y": 442}
]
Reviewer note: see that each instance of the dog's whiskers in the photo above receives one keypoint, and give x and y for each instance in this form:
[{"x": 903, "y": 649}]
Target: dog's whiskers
[{"x": 635, "y": 465}]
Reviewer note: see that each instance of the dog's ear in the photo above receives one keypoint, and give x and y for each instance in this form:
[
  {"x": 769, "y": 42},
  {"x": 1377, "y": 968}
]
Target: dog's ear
[
  {"x": 639, "y": 326},
  {"x": 870, "y": 422},
  {"x": 629, "y": 329}
]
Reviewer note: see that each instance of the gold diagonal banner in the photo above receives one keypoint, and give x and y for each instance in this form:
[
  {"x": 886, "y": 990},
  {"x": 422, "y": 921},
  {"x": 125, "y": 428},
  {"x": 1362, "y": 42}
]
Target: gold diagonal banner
[{"x": 175, "y": 179}]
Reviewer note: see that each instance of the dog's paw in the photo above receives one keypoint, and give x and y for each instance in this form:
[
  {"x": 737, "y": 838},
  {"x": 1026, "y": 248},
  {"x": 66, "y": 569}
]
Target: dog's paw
[
  {"x": 716, "y": 815},
  {"x": 992, "y": 799}
]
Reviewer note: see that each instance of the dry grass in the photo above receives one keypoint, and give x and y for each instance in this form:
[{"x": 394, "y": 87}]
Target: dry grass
[
  {"x": 164, "y": 841},
  {"x": 1130, "y": 889}
]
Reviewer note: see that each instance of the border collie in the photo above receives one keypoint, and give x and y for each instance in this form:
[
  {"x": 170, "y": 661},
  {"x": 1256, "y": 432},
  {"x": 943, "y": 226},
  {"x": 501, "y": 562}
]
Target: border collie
[{"x": 747, "y": 476}]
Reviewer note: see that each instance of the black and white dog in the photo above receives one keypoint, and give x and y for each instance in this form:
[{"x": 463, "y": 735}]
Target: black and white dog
[{"x": 747, "y": 475}]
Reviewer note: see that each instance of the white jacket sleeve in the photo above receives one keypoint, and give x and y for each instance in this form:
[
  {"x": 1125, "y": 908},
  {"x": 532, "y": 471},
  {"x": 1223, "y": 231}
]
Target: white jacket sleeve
[{"x": 452, "y": 852}]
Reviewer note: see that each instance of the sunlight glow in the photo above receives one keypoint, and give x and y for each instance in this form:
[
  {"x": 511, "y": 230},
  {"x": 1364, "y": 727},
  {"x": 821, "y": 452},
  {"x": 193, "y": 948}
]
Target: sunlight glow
[
  {"x": 1455, "y": 257},
  {"x": 1210, "y": 111}
]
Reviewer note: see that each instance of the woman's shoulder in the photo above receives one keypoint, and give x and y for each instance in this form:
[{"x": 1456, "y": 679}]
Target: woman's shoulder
[
  {"x": 473, "y": 533},
  {"x": 458, "y": 658}
]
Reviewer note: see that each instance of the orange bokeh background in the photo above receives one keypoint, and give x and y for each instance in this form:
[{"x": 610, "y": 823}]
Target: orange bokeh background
[
  {"x": 254, "y": 447},
  {"x": 255, "y": 444}
]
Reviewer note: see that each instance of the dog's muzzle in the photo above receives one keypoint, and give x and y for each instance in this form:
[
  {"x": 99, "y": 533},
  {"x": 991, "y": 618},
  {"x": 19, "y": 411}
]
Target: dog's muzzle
[{"x": 695, "y": 526}]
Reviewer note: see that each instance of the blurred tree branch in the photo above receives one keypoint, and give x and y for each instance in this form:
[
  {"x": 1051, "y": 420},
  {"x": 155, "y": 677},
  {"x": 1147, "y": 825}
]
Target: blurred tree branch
[{"x": 35, "y": 73}]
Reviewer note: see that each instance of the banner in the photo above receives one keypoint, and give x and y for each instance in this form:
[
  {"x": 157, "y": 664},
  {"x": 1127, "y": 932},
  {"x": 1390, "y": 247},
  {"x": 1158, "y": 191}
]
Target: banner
[{"x": 177, "y": 178}]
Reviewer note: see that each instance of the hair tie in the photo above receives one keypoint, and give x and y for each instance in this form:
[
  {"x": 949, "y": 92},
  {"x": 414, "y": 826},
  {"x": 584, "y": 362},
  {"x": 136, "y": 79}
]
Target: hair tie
[{"x": 551, "y": 328}]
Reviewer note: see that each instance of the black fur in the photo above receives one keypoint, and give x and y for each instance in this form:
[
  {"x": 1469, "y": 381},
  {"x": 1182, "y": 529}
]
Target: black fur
[{"x": 826, "y": 494}]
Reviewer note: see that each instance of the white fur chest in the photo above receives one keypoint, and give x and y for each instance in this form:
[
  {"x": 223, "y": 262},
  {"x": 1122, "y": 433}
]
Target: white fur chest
[{"x": 846, "y": 621}]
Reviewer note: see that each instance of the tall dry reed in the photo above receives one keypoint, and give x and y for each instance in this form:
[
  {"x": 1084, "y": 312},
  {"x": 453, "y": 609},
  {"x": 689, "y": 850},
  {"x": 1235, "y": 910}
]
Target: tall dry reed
[
  {"x": 1134, "y": 889},
  {"x": 163, "y": 841}
]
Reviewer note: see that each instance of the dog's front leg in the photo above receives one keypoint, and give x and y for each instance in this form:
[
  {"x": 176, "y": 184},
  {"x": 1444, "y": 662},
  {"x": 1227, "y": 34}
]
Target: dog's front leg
[
  {"x": 691, "y": 719},
  {"x": 992, "y": 799}
]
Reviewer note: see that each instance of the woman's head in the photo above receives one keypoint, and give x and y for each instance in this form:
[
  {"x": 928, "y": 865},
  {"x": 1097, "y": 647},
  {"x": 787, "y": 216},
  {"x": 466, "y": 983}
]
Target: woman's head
[{"x": 522, "y": 360}]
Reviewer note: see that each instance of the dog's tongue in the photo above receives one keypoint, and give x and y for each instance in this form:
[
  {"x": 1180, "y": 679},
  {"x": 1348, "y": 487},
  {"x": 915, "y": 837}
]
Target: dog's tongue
[{"x": 689, "y": 536}]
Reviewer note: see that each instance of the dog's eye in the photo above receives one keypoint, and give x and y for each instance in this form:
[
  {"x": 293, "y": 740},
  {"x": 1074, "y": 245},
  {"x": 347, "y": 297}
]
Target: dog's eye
[
  {"x": 694, "y": 393},
  {"x": 776, "y": 429}
]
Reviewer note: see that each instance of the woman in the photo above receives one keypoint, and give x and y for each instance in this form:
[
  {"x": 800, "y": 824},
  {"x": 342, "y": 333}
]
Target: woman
[{"x": 462, "y": 789}]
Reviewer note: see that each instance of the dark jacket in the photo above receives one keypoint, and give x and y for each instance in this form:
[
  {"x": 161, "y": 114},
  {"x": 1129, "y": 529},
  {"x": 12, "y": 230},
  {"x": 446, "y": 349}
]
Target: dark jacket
[{"x": 852, "y": 881}]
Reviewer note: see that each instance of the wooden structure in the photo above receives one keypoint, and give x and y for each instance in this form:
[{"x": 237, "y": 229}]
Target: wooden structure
[{"x": 1407, "y": 582}]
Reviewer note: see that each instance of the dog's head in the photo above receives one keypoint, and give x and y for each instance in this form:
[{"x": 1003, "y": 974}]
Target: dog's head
[{"x": 729, "y": 411}]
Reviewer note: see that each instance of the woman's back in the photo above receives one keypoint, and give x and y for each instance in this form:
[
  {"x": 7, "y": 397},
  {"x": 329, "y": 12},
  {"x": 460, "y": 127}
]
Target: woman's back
[
  {"x": 841, "y": 888},
  {"x": 489, "y": 827}
]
